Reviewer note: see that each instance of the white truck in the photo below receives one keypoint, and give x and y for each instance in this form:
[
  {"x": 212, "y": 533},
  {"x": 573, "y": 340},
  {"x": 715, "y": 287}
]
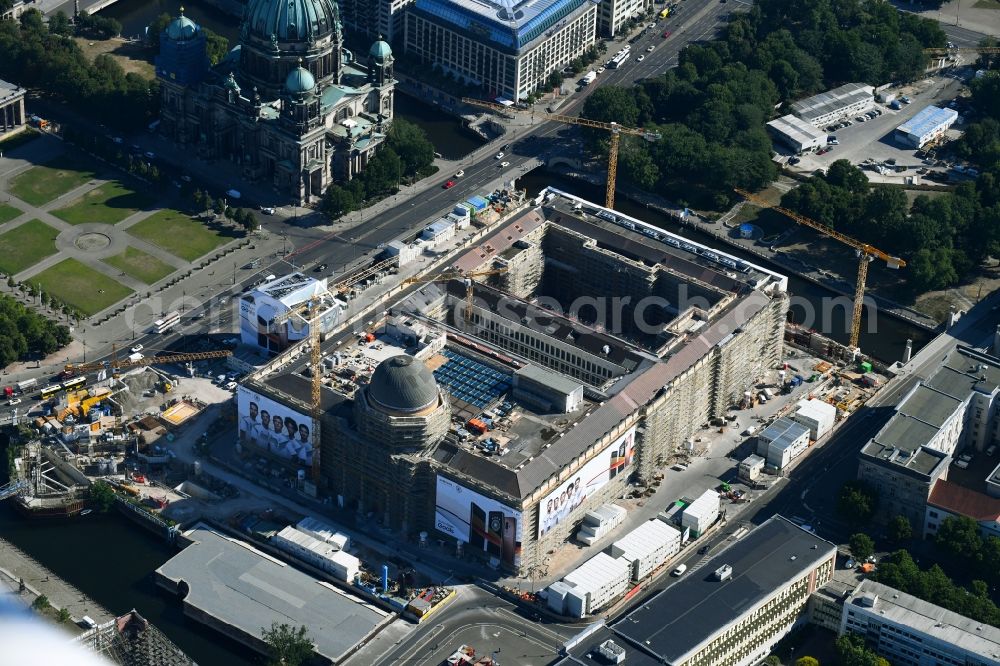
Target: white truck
[{"x": 589, "y": 78}]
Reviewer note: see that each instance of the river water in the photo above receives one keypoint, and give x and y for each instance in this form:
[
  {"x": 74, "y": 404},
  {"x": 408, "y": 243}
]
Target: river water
[{"x": 111, "y": 560}]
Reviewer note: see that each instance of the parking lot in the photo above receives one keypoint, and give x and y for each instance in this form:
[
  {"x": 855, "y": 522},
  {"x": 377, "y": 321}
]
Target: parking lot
[{"x": 871, "y": 142}]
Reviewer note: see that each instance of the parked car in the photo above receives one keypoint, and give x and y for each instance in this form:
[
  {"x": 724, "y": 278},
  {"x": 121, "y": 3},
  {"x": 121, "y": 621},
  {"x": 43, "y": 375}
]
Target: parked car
[
  {"x": 267, "y": 210},
  {"x": 850, "y": 564},
  {"x": 990, "y": 451},
  {"x": 13, "y": 401},
  {"x": 679, "y": 571}
]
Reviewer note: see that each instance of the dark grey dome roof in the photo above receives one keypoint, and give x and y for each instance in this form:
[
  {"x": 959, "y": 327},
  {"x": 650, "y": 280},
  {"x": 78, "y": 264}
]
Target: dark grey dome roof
[
  {"x": 403, "y": 384},
  {"x": 291, "y": 20}
]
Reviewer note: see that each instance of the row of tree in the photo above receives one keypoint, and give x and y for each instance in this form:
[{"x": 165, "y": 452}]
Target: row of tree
[
  {"x": 900, "y": 571},
  {"x": 24, "y": 332},
  {"x": 944, "y": 238},
  {"x": 959, "y": 538},
  {"x": 35, "y": 57},
  {"x": 406, "y": 155},
  {"x": 711, "y": 110}
]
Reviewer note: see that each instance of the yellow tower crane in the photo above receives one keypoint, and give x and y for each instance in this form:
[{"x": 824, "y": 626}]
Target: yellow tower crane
[
  {"x": 115, "y": 365},
  {"x": 310, "y": 311},
  {"x": 864, "y": 251},
  {"x": 468, "y": 277},
  {"x": 615, "y": 129}
]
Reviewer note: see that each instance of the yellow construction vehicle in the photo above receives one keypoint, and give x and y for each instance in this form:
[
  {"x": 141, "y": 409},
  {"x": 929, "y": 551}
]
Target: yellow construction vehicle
[
  {"x": 864, "y": 251},
  {"x": 615, "y": 129}
]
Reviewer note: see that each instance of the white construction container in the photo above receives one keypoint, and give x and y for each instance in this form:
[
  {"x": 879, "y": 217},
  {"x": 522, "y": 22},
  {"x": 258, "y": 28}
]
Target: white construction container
[
  {"x": 324, "y": 556},
  {"x": 647, "y": 547},
  {"x": 321, "y": 531},
  {"x": 598, "y": 523},
  {"x": 782, "y": 441},
  {"x": 556, "y": 596},
  {"x": 817, "y": 415},
  {"x": 701, "y": 513},
  {"x": 751, "y": 468},
  {"x": 595, "y": 584}
]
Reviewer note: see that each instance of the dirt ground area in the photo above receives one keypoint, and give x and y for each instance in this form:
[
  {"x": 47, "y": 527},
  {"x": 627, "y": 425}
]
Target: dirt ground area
[{"x": 132, "y": 56}]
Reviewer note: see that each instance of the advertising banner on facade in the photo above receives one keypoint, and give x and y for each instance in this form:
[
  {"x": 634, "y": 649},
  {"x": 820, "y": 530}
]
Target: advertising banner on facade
[
  {"x": 483, "y": 523},
  {"x": 560, "y": 503},
  {"x": 273, "y": 427}
]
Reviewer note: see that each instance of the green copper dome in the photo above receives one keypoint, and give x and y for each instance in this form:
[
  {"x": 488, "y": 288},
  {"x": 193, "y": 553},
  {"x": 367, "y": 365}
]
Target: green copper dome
[
  {"x": 299, "y": 80},
  {"x": 182, "y": 28},
  {"x": 291, "y": 20},
  {"x": 380, "y": 50}
]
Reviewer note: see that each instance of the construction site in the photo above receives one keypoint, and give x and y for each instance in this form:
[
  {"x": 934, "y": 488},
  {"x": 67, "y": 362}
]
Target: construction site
[{"x": 572, "y": 340}]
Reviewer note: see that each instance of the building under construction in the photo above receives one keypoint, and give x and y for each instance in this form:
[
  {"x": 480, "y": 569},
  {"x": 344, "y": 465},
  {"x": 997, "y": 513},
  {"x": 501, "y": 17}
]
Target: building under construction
[{"x": 495, "y": 414}]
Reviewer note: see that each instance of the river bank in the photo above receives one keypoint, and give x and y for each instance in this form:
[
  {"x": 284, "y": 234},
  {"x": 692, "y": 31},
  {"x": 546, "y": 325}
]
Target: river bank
[{"x": 25, "y": 579}]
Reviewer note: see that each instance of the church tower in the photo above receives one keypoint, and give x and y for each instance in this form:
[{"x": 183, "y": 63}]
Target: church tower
[{"x": 380, "y": 77}]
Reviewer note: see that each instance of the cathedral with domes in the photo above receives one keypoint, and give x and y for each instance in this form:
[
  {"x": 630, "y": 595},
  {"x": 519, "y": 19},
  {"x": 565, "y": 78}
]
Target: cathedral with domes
[{"x": 289, "y": 104}]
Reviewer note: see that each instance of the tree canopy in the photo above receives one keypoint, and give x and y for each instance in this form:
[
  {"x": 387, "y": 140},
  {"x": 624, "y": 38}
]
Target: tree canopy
[
  {"x": 24, "y": 332},
  {"x": 852, "y": 651},
  {"x": 35, "y": 57},
  {"x": 712, "y": 108},
  {"x": 857, "y": 501},
  {"x": 406, "y": 153},
  {"x": 898, "y": 570},
  {"x": 288, "y": 645}
]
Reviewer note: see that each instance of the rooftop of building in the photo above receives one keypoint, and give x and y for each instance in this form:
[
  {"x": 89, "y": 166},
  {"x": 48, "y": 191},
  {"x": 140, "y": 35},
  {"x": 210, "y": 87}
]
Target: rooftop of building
[
  {"x": 900, "y": 608},
  {"x": 242, "y": 587},
  {"x": 9, "y": 91},
  {"x": 532, "y": 446},
  {"x": 682, "y": 618},
  {"x": 832, "y": 101},
  {"x": 904, "y": 441},
  {"x": 509, "y": 24},
  {"x": 963, "y": 501},
  {"x": 783, "y": 432},
  {"x": 797, "y": 129},
  {"x": 927, "y": 120}
]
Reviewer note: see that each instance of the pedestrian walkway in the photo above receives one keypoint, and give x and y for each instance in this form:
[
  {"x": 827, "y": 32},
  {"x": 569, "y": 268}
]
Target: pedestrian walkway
[{"x": 16, "y": 568}]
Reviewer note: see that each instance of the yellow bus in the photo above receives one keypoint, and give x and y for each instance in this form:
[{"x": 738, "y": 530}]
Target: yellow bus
[{"x": 665, "y": 13}]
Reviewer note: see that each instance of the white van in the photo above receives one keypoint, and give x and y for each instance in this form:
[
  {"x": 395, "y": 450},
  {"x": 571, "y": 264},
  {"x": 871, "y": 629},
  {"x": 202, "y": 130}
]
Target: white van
[{"x": 679, "y": 571}]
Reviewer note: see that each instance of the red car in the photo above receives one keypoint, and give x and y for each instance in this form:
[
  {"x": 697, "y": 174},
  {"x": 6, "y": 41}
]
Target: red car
[
  {"x": 450, "y": 184},
  {"x": 667, "y": 34}
]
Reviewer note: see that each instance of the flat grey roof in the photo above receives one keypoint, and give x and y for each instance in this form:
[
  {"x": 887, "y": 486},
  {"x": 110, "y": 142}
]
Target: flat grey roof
[
  {"x": 673, "y": 624},
  {"x": 892, "y": 605},
  {"x": 553, "y": 380},
  {"x": 903, "y": 441},
  {"x": 796, "y": 129},
  {"x": 247, "y": 589},
  {"x": 10, "y": 90},
  {"x": 832, "y": 101}
]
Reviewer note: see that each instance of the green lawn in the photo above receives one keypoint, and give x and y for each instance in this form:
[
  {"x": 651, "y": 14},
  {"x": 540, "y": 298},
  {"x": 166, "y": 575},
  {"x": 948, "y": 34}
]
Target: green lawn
[
  {"x": 180, "y": 235},
  {"x": 25, "y": 246},
  {"x": 140, "y": 265},
  {"x": 110, "y": 203},
  {"x": 41, "y": 184},
  {"x": 8, "y": 213},
  {"x": 81, "y": 287}
]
